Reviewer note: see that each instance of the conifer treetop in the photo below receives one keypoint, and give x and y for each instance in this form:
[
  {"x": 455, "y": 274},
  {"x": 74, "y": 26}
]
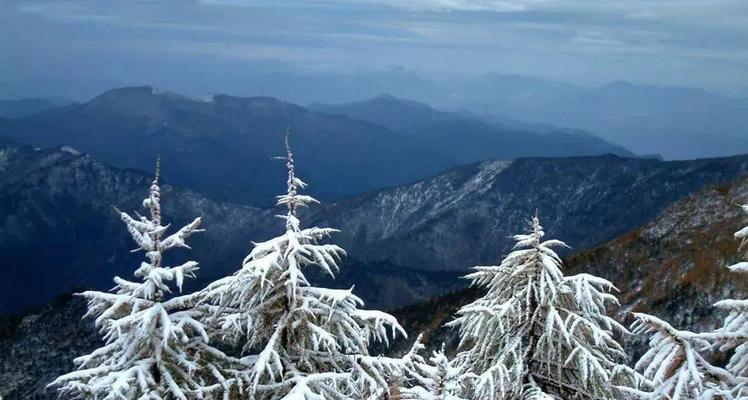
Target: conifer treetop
[
  {"x": 537, "y": 333},
  {"x": 292, "y": 199},
  {"x": 300, "y": 341},
  {"x": 153, "y": 346}
]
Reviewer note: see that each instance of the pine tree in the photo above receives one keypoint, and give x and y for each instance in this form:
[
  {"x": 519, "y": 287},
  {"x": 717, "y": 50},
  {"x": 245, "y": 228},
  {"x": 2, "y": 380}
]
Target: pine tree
[
  {"x": 537, "y": 334},
  {"x": 673, "y": 366},
  {"x": 733, "y": 336},
  {"x": 300, "y": 341},
  {"x": 435, "y": 379},
  {"x": 153, "y": 344}
]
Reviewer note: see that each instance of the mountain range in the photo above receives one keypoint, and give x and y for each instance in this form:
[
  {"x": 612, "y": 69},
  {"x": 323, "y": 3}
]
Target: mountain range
[
  {"x": 675, "y": 122},
  {"x": 468, "y": 138},
  {"x": 465, "y": 216},
  {"x": 58, "y": 231},
  {"x": 674, "y": 267},
  {"x": 204, "y": 142}
]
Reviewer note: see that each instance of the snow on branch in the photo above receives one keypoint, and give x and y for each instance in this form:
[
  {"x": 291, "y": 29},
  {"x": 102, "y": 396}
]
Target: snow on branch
[
  {"x": 305, "y": 341},
  {"x": 153, "y": 349},
  {"x": 538, "y": 333},
  {"x": 673, "y": 365}
]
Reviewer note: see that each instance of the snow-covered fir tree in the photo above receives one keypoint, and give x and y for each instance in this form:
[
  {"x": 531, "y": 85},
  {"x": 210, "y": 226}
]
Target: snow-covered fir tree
[
  {"x": 435, "y": 379},
  {"x": 733, "y": 335},
  {"x": 300, "y": 341},
  {"x": 537, "y": 334},
  {"x": 153, "y": 343},
  {"x": 673, "y": 366}
]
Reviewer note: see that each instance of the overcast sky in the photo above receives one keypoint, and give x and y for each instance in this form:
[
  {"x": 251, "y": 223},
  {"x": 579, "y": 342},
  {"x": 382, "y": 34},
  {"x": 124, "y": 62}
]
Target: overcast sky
[{"x": 78, "y": 48}]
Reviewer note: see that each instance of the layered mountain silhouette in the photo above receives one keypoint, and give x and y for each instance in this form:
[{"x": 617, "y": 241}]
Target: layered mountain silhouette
[
  {"x": 223, "y": 146},
  {"x": 675, "y": 122},
  {"x": 466, "y": 137}
]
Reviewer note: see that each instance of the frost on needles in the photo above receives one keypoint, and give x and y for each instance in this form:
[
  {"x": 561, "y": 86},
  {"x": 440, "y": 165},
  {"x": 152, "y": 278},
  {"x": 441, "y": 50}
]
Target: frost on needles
[
  {"x": 300, "y": 341},
  {"x": 537, "y": 334},
  {"x": 434, "y": 379},
  {"x": 676, "y": 365},
  {"x": 733, "y": 335},
  {"x": 154, "y": 345}
]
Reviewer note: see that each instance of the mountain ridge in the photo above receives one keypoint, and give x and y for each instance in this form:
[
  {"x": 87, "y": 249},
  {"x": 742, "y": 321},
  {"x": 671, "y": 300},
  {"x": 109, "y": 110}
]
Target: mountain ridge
[
  {"x": 214, "y": 136},
  {"x": 468, "y": 137},
  {"x": 674, "y": 267},
  {"x": 126, "y": 127},
  {"x": 586, "y": 199},
  {"x": 61, "y": 202}
]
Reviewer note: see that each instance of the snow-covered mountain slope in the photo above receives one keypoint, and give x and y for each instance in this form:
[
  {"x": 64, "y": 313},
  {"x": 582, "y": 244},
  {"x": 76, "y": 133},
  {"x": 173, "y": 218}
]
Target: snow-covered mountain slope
[
  {"x": 465, "y": 216},
  {"x": 58, "y": 232},
  {"x": 60, "y": 202},
  {"x": 674, "y": 266}
]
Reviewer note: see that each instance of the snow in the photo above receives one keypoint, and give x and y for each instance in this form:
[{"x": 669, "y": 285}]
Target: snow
[
  {"x": 673, "y": 368},
  {"x": 153, "y": 348},
  {"x": 305, "y": 342},
  {"x": 435, "y": 379},
  {"x": 538, "y": 334},
  {"x": 70, "y": 150}
]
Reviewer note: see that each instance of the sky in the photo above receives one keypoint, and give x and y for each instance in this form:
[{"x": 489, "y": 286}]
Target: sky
[{"x": 79, "y": 48}]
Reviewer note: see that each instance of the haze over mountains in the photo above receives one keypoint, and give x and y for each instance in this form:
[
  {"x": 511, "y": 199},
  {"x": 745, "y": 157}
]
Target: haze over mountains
[
  {"x": 222, "y": 145},
  {"x": 24, "y": 107},
  {"x": 468, "y": 138},
  {"x": 675, "y": 122}
]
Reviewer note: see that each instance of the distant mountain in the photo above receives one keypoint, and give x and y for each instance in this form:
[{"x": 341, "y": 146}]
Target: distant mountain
[
  {"x": 466, "y": 216},
  {"x": 675, "y": 122},
  {"x": 466, "y": 137},
  {"x": 205, "y": 141},
  {"x": 672, "y": 267},
  {"x": 24, "y": 107},
  {"x": 58, "y": 232},
  {"x": 222, "y": 145}
]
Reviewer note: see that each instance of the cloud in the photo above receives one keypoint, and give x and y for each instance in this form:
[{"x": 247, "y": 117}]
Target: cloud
[
  {"x": 596, "y": 39},
  {"x": 458, "y": 5},
  {"x": 587, "y": 41},
  {"x": 644, "y": 14}
]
